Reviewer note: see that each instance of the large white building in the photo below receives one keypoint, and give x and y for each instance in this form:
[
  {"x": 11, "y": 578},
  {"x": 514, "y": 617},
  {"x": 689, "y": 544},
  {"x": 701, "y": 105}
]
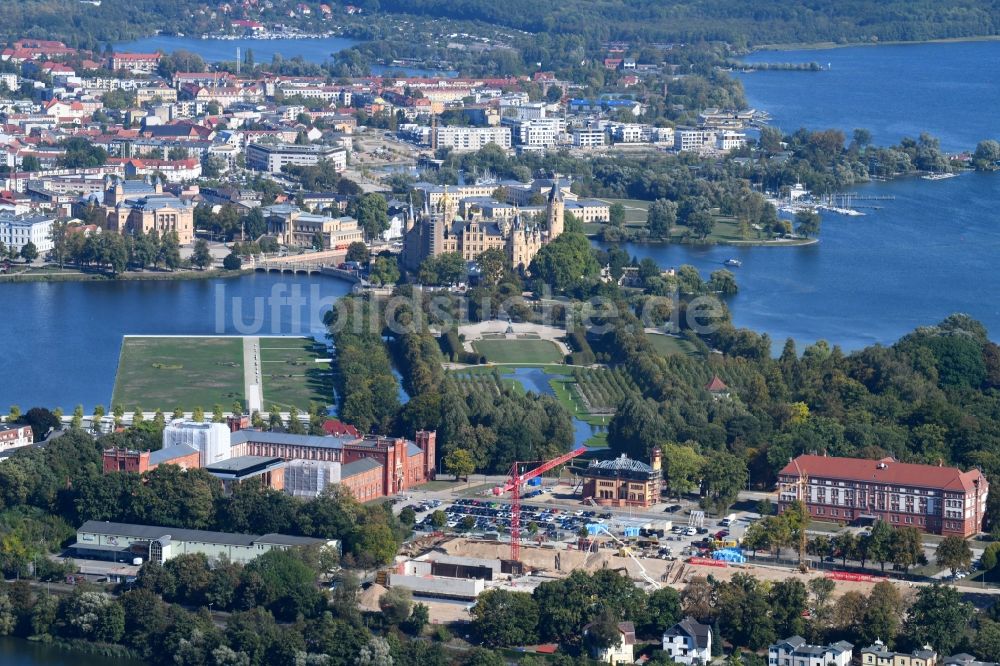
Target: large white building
[
  {"x": 124, "y": 542},
  {"x": 271, "y": 157},
  {"x": 211, "y": 440},
  {"x": 471, "y": 138},
  {"x": 539, "y": 133},
  {"x": 16, "y": 231},
  {"x": 695, "y": 140},
  {"x": 795, "y": 651},
  {"x": 588, "y": 137}
]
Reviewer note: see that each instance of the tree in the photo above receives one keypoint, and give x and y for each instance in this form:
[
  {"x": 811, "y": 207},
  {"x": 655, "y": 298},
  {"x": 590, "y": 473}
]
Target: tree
[
  {"x": 682, "y": 468},
  {"x": 821, "y": 589},
  {"x": 460, "y": 463},
  {"x": 29, "y": 252},
  {"x": 170, "y": 251},
  {"x": 883, "y": 613},
  {"x": 987, "y": 155},
  {"x": 385, "y": 270},
  {"x": 845, "y": 544},
  {"x": 788, "y": 602},
  {"x": 954, "y": 552},
  {"x": 723, "y": 282},
  {"x": 503, "y": 619},
  {"x": 877, "y": 545},
  {"x": 938, "y": 617},
  {"x": 372, "y": 213},
  {"x": 662, "y": 218},
  {"x": 616, "y": 214},
  {"x": 32, "y": 163},
  {"x": 232, "y": 262},
  {"x": 358, "y": 252},
  {"x": 198, "y": 415},
  {"x": 701, "y": 222},
  {"x": 395, "y": 605},
  {"x": 906, "y": 548},
  {"x": 807, "y": 222},
  {"x": 724, "y": 476},
  {"x": 42, "y": 422},
  {"x": 202, "y": 257},
  {"x": 564, "y": 262},
  {"x": 444, "y": 269},
  {"x": 217, "y": 415},
  {"x": 492, "y": 266},
  {"x": 662, "y": 611},
  {"x": 991, "y": 555}
]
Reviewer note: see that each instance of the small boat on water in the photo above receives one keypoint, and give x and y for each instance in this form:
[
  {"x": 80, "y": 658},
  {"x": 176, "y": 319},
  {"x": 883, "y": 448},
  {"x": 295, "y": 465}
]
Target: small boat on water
[
  {"x": 939, "y": 176},
  {"x": 735, "y": 263}
]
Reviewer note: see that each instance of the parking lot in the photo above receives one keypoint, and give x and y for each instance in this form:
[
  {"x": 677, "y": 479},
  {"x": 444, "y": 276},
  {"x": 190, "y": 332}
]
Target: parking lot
[{"x": 665, "y": 534}]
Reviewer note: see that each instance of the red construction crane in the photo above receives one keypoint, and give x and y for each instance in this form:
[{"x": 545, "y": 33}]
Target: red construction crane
[{"x": 515, "y": 480}]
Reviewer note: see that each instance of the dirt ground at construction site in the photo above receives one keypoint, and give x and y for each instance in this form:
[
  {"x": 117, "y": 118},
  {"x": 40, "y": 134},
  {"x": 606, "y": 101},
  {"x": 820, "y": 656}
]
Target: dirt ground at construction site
[{"x": 676, "y": 573}]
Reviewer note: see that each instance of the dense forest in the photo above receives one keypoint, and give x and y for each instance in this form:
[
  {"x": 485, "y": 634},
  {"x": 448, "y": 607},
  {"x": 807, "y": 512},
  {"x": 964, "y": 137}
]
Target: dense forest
[
  {"x": 740, "y": 24},
  {"x": 756, "y": 22}
]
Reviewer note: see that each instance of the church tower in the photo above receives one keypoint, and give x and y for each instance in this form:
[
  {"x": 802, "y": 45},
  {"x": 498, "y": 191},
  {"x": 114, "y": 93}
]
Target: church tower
[{"x": 556, "y": 210}]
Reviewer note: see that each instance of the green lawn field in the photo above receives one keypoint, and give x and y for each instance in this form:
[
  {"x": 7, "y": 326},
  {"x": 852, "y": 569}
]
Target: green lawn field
[
  {"x": 170, "y": 372},
  {"x": 667, "y": 345},
  {"x": 518, "y": 351},
  {"x": 291, "y": 376}
]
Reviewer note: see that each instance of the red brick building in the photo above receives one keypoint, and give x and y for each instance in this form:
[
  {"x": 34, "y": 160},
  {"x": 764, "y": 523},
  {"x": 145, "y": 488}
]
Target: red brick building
[
  {"x": 623, "y": 482},
  {"x": 130, "y": 460},
  {"x": 401, "y": 463},
  {"x": 939, "y": 500}
]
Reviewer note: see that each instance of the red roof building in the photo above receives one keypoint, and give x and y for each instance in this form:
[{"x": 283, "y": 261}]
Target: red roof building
[
  {"x": 339, "y": 428},
  {"x": 716, "y": 385},
  {"x": 939, "y": 500}
]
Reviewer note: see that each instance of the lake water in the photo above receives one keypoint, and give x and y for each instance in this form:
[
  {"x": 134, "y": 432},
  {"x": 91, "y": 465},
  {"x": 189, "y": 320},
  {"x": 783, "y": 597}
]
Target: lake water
[
  {"x": 61, "y": 340},
  {"x": 930, "y": 252},
  {"x": 18, "y": 652},
  {"x": 948, "y": 90},
  {"x": 313, "y": 50},
  {"x": 536, "y": 381}
]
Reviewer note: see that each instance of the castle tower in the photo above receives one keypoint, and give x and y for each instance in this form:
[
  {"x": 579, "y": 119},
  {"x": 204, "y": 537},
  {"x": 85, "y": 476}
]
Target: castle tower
[
  {"x": 114, "y": 192},
  {"x": 448, "y": 206},
  {"x": 657, "y": 459},
  {"x": 556, "y": 210},
  {"x": 411, "y": 217}
]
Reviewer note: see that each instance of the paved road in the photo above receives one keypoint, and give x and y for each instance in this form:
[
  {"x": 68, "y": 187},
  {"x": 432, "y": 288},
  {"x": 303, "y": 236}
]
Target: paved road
[{"x": 251, "y": 374}]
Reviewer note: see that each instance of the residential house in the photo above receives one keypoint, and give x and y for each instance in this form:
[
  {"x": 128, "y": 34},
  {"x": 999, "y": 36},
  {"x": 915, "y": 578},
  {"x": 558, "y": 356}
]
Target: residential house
[
  {"x": 795, "y": 651},
  {"x": 688, "y": 642},
  {"x": 621, "y": 652},
  {"x": 877, "y": 654}
]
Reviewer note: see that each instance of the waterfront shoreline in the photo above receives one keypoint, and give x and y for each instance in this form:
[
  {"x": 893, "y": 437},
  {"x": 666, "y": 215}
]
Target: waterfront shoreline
[
  {"x": 125, "y": 277},
  {"x": 827, "y": 46},
  {"x": 784, "y": 242}
]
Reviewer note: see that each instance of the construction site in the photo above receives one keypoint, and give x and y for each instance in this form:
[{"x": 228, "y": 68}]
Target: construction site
[{"x": 448, "y": 572}]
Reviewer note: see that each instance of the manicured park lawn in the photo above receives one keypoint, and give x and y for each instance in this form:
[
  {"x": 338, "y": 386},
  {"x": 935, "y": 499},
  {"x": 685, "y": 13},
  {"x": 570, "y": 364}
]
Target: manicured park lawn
[
  {"x": 667, "y": 345},
  {"x": 170, "y": 372},
  {"x": 291, "y": 376},
  {"x": 518, "y": 351}
]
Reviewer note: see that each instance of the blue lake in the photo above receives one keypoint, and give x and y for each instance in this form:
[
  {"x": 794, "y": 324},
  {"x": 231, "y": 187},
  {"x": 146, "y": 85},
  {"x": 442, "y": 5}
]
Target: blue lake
[
  {"x": 948, "y": 90},
  {"x": 61, "y": 348},
  {"x": 930, "y": 252}
]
